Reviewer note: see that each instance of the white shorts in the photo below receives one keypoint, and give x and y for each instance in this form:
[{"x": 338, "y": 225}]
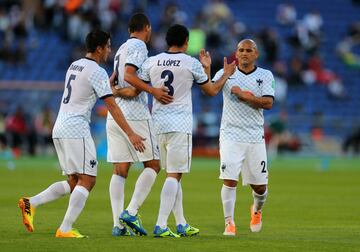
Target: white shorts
[
  {"x": 249, "y": 159},
  {"x": 76, "y": 155},
  {"x": 175, "y": 152},
  {"x": 120, "y": 149}
]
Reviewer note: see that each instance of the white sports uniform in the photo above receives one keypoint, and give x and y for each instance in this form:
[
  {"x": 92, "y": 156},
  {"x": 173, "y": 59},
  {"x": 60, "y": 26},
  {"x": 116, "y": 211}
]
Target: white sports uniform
[
  {"x": 242, "y": 143},
  {"x": 173, "y": 122},
  {"x": 85, "y": 82},
  {"x": 133, "y": 52}
]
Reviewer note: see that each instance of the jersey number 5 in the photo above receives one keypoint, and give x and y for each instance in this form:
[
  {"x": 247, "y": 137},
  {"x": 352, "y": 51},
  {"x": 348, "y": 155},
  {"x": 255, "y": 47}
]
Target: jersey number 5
[
  {"x": 68, "y": 86},
  {"x": 168, "y": 77}
]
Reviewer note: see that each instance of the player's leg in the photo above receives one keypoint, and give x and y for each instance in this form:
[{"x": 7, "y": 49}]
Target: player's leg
[
  {"x": 121, "y": 155},
  {"x": 177, "y": 156},
  {"x": 53, "y": 192},
  {"x": 257, "y": 176},
  {"x": 77, "y": 202},
  {"x": 182, "y": 227},
  {"x": 116, "y": 190},
  {"x": 167, "y": 201},
  {"x": 143, "y": 185},
  {"x": 232, "y": 156},
  {"x": 80, "y": 165}
]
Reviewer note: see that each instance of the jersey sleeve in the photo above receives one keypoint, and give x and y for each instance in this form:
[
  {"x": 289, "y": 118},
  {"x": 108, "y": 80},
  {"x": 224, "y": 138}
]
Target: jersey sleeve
[
  {"x": 198, "y": 72},
  {"x": 144, "y": 72},
  {"x": 136, "y": 54},
  {"x": 99, "y": 80},
  {"x": 218, "y": 75},
  {"x": 268, "y": 89}
]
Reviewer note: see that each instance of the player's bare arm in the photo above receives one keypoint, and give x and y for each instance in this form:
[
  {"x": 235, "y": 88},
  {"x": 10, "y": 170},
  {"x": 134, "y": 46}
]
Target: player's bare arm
[
  {"x": 136, "y": 140},
  {"x": 205, "y": 60},
  {"x": 253, "y": 101},
  {"x": 126, "y": 93},
  {"x": 213, "y": 89},
  {"x": 160, "y": 94}
]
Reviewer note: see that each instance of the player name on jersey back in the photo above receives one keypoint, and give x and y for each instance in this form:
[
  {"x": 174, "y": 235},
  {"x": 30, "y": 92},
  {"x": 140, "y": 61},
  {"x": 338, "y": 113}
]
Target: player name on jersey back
[{"x": 169, "y": 62}]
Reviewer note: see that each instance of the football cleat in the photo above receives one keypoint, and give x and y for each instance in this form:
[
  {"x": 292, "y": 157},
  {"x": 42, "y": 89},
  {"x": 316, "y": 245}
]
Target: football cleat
[
  {"x": 186, "y": 230},
  {"x": 133, "y": 222},
  {"x": 117, "y": 231},
  {"x": 164, "y": 232},
  {"x": 28, "y": 212},
  {"x": 230, "y": 229},
  {"x": 256, "y": 220},
  {"x": 73, "y": 233}
]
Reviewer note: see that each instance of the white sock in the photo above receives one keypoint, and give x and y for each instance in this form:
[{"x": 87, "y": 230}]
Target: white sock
[
  {"x": 76, "y": 204},
  {"x": 116, "y": 189},
  {"x": 167, "y": 200},
  {"x": 228, "y": 197},
  {"x": 178, "y": 207},
  {"x": 51, "y": 193},
  {"x": 143, "y": 187},
  {"x": 259, "y": 200}
]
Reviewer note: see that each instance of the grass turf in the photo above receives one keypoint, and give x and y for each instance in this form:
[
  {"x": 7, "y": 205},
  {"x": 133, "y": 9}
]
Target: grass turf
[{"x": 308, "y": 209}]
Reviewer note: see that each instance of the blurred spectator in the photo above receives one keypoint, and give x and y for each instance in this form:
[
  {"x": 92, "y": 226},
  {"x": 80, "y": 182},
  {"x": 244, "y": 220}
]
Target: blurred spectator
[
  {"x": 351, "y": 143},
  {"x": 16, "y": 128},
  {"x": 44, "y": 122},
  {"x": 296, "y": 71},
  {"x": 345, "y": 48},
  {"x": 270, "y": 43},
  {"x": 281, "y": 85},
  {"x": 280, "y": 138},
  {"x": 286, "y": 14}
]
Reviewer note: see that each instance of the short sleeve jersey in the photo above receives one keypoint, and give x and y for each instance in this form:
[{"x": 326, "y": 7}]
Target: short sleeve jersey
[
  {"x": 240, "y": 122},
  {"x": 178, "y": 72},
  {"x": 85, "y": 82},
  {"x": 133, "y": 52}
]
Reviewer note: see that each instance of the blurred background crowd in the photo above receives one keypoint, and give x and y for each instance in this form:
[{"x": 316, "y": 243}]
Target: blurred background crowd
[{"x": 312, "y": 48}]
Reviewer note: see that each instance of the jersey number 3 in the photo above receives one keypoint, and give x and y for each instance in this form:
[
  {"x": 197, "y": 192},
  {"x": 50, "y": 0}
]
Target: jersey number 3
[
  {"x": 68, "y": 86},
  {"x": 168, "y": 77}
]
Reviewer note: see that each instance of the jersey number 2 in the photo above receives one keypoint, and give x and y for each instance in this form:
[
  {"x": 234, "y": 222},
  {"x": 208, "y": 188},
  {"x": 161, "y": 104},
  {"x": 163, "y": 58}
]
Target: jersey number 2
[
  {"x": 168, "y": 80},
  {"x": 263, "y": 164},
  {"x": 68, "y": 86}
]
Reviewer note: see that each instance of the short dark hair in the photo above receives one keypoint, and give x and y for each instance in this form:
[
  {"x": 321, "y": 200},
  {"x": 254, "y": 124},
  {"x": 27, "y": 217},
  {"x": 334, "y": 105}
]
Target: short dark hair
[
  {"x": 177, "y": 35},
  {"x": 138, "y": 22},
  {"x": 96, "y": 38}
]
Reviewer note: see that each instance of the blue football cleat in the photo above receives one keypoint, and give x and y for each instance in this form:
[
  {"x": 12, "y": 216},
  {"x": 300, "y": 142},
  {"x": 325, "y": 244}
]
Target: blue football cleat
[
  {"x": 133, "y": 222},
  {"x": 186, "y": 230},
  {"x": 117, "y": 231},
  {"x": 164, "y": 232}
]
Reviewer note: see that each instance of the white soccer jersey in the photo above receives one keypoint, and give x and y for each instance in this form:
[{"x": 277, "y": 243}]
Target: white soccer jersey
[
  {"x": 177, "y": 71},
  {"x": 239, "y": 121},
  {"x": 85, "y": 82},
  {"x": 133, "y": 52}
]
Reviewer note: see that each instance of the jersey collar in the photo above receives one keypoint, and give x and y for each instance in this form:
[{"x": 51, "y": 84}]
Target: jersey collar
[
  {"x": 90, "y": 59},
  {"x": 248, "y": 72}
]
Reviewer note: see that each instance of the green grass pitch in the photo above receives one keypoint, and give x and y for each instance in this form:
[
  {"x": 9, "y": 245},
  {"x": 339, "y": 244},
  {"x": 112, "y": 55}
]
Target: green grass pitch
[{"x": 307, "y": 210}]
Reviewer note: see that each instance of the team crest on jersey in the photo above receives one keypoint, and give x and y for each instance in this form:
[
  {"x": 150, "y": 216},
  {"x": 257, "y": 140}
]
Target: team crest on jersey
[
  {"x": 223, "y": 167},
  {"x": 92, "y": 163},
  {"x": 259, "y": 82}
]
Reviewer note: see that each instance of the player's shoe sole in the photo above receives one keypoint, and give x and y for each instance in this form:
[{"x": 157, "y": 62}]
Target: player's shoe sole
[{"x": 28, "y": 212}]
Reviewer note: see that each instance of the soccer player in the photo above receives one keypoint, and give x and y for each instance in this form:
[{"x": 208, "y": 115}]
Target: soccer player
[
  {"x": 173, "y": 122},
  {"x": 242, "y": 146},
  {"x": 85, "y": 81},
  {"x": 133, "y": 102}
]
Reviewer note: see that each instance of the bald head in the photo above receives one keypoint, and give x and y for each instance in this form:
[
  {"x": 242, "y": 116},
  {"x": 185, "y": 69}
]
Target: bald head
[
  {"x": 248, "y": 42},
  {"x": 247, "y": 54}
]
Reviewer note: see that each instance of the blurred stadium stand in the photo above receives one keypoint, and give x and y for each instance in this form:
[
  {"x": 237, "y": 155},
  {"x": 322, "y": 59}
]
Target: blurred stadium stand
[{"x": 41, "y": 45}]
